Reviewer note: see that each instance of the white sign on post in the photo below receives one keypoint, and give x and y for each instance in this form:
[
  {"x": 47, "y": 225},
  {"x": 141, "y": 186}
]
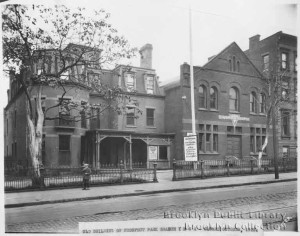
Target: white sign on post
[
  {"x": 152, "y": 150},
  {"x": 190, "y": 148}
]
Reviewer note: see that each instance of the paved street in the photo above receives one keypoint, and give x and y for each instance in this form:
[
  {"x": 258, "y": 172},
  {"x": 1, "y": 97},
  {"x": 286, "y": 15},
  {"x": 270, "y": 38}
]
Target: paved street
[{"x": 277, "y": 198}]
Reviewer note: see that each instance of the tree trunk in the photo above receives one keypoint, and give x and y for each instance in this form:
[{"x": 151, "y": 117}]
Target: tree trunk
[
  {"x": 262, "y": 150},
  {"x": 35, "y": 135}
]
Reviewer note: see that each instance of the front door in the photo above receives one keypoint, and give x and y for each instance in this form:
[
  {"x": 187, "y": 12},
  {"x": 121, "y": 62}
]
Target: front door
[{"x": 234, "y": 146}]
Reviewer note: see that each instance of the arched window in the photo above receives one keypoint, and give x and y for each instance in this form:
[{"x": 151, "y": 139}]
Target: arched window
[
  {"x": 230, "y": 65},
  {"x": 238, "y": 66},
  {"x": 233, "y": 99},
  {"x": 253, "y": 102},
  {"x": 233, "y": 62},
  {"x": 202, "y": 96},
  {"x": 262, "y": 103},
  {"x": 213, "y": 98}
]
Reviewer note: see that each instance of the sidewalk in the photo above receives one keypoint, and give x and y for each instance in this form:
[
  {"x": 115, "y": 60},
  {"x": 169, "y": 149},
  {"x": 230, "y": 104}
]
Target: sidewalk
[{"x": 164, "y": 185}]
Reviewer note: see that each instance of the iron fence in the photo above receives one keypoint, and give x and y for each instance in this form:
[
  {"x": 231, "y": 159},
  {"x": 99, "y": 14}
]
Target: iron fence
[
  {"x": 212, "y": 168},
  {"x": 72, "y": 176}
]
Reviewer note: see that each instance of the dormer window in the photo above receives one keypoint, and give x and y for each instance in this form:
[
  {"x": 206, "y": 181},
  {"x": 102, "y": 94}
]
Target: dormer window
[
  {"x": 150, "y": 85},
  {"x": 130, "y": 82}
]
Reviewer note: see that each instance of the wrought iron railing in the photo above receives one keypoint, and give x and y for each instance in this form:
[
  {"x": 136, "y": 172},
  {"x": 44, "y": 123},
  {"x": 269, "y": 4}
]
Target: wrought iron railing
[
  {"x": 72, "y": 176},
  {"x": 211, "y": 168}
]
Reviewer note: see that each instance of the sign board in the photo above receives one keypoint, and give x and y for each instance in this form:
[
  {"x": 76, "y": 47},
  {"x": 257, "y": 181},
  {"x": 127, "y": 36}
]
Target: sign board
[
  {"x": 152, "y": 152},
  {"x": 234, "y": 118},
  {"x": 190, "y": 134},
  {"x": 190, "y": 148}
]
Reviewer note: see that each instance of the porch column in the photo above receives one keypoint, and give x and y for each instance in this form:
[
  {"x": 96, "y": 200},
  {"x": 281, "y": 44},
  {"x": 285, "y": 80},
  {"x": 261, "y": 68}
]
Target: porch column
[
  {"x": 94, "y": 151},
  {"x": 98, "y": 153},
  {"x": 169, "y": 154},
  {"x": 148, "y": 164},
  {"x": 124, "y": 154},
  {"x": 130, "y": 152}
]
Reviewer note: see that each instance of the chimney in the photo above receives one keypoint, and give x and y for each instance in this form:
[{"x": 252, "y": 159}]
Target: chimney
[
  {"x": 253, "y": 41},
  {"x": 146, "y": 56}
]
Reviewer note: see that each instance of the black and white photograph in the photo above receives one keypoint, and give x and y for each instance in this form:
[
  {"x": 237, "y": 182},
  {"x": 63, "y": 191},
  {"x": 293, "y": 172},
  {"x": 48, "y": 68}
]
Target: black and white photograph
[{"x": 139, "y": 117}]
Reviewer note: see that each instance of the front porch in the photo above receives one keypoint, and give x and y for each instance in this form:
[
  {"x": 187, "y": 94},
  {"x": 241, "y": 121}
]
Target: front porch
[{"x": 109, "y": 148}]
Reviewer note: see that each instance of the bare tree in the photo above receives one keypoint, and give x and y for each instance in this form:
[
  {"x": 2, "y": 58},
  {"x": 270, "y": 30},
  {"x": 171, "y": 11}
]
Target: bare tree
[
  {"x": 40, "y": 46},
  {"x": 278, "y": 94}
]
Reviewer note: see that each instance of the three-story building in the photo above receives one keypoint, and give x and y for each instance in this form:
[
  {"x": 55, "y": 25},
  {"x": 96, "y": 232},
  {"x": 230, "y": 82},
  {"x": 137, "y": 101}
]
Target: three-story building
[
  {"x": 135, "y": 134},
  {"x": 276, "y": 55}
]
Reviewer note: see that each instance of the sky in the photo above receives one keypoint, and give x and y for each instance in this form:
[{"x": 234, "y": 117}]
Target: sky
[{"x": 215, "y": 25}]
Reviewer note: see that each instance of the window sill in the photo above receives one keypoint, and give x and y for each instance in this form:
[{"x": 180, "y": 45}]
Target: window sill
[
  {"x": 202, "y": 109},
  {"x": 214, "y": 110},
  {"x": 256, "y": 154},
  {"x": 257, "y": 114},
  {"x": 285, "y": 137},
  {"x": 150, "y": 127},
  {"x": 208, "y": 153},
  {"x": 131, "y": 126},
  {"x": 235, "y": 112}
]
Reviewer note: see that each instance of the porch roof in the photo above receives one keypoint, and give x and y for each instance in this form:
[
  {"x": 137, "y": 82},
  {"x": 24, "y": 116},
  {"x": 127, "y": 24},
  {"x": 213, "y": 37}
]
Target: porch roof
[{"x": 122, "y": 133}]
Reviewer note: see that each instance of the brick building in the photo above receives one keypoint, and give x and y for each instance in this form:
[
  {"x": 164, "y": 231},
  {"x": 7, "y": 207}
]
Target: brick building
[
  {"x": 277, "y": 55},
  {"x": 225, "y": 88},
  {"x": 108, "y": 138}
]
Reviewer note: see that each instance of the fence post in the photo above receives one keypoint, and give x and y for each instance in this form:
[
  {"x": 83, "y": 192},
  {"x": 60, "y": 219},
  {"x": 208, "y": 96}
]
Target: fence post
[
  {"x": 284, "y": 164},
  {"x": 154, "y": 172},
  {"x": 121, "y": 171},
  {"x": 42, "y": 177},
  {"x": 227, "y": 164},
  {"x": 202, "y": 169},
  {"x": 174, "y": 170},
  {"x": 251, "y": 163}
]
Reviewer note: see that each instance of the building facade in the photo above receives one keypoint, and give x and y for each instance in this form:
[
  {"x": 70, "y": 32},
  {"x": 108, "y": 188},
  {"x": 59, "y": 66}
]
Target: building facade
[
  {"x": 134, "y": 135},
  {"x": 277, "y": 55},
  {"x": 229, "y": 105}
]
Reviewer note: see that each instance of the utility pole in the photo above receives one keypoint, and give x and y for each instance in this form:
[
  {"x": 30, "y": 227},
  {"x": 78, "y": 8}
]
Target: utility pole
[
  {"x": 274, "y": 129},
  {"x": 192, "y": 77}
]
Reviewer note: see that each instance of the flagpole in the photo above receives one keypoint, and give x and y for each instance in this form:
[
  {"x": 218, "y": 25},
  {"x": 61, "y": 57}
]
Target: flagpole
[{"x": 192, "y": 77}]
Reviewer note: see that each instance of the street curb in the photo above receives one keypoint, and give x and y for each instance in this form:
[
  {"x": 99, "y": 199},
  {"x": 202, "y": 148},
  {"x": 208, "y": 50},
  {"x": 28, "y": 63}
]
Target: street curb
[{"x": 143, "y": 193}]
